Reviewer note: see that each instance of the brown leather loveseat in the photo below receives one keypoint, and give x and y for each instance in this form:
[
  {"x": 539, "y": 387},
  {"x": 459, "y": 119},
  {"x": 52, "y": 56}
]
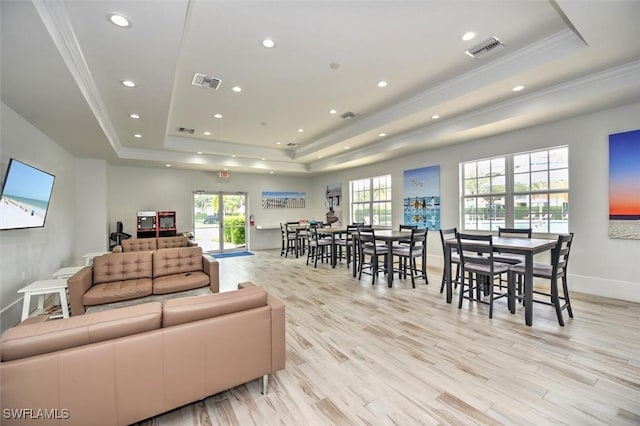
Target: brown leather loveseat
[
  {"x": 115, "y": 277},
  {"x": 150, "y": 244},
  {"x": 121, "y": 366}
]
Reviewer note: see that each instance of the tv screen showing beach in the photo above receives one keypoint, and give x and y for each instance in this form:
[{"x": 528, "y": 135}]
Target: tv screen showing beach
[{"x": 26, "y": 193}]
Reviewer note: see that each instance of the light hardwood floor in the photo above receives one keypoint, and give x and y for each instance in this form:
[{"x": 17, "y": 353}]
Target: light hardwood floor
[{"x": 363, "y": 355}]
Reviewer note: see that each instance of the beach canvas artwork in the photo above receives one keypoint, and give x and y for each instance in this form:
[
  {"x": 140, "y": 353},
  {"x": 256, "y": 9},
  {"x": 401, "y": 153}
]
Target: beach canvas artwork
[
  {"x": 624, "y": 185},
  {"x": 422, "y": 197},
  {"x": 283, "y": 200}
]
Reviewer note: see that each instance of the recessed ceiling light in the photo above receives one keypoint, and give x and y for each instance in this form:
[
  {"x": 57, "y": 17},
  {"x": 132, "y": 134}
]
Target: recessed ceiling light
[
  {"x": 128, "y": 83},
  {"x": 168, "y": 165},
  {"x": 382, "y": 83},
  {"x": 268, "y": 43},
  {"x": 333, "y": 111},
  {"x": 237, "y": 89},
  {"x": 137, "y": 135},
  {"x": 319, "y": 156},
  {"x": 518, "y": 88},
  {"x": 225, "y": 169},
  {"x": 217, "y": 115},
  {"x": 300, "y": 130},
  {"x": 206, "y": 133},
  {"x": 382, "y": 135},
  {"x": 435, "y": 116},
  {"x": 278, "y": 143},
  {"x": 469, "y": 35},
  {"x": 199, "y": 152},
  {"x": 134, "y": 116},
  {"x": 233, "y": 156},
  {"x": 119, "y": 20},
  {"x": 263, "y": 159},
  {"x": 271, "y": 172},
  {"x": 346, "y": 147}
]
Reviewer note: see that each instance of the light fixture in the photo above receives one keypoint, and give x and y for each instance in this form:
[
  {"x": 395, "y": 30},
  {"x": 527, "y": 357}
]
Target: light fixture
[
  {"x": 225, "y": 169},
  {"x": 518, "y": 88},
  {"x": 382, "y": 135},
  {"x": 119, "y": 20},
  {"x": 217, "y": 115},
  {"x": 128, "y": 83},
  {"x": 263, "y": 159},
  {"x": 333, "y": 111},
  {"x": 237, "y": 89},
  {"x": 199, "y": 152},
  {"x": 319, "y": 156},
  {"x": 278, "y": 143},
  {"x": 233, "y": 156},
  {"x": 134, "y": 116},
  {"x": 271, "y": 172},
  {"x": 206, "y": 133},
  {"x": 346, "y": 147},
  {"x": 300, "y": 130},
  {"x": 167, "y": 165},
  {"x": 435, "y": 116},
  {"x": 137, "y": 135},
  {"x": 268, "y": 43},
  {"x": 469, "y": 35},
  {"x": 382, "y": 83}
]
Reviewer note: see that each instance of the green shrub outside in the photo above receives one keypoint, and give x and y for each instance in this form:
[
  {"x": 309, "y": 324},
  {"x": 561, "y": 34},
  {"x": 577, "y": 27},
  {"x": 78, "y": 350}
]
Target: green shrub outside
[{"x": 234, "y": 229}]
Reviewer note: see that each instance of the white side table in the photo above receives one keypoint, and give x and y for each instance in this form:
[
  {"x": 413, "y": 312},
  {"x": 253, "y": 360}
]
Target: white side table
[
  {"x": 66, "y": 272},
  {"x": 88, "y": 257},
  {"x": 40, "y": 289}
]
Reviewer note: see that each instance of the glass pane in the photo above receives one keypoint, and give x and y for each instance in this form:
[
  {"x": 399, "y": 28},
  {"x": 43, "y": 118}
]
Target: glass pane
[
  {"x": 484, "y": 185},
  {"x": 521, "y": 182},
  {"x": 498, "y": 184},
  {"x": 234, "y": 223},
  {"x": 539, "y": 161},
  {"x": 522, "y": 211},
  {"x": 559, "y": 158},
  {"x": 559, "y": 213},
  {"x": 497, "y": 166},
  {"x": 540, "y": 212},
  {"x": 484, "y": 168},
  {"x": 539, "y": 181},
  {"x": 496, "y": 212},
  {"x": 470, "y": 215},
  {"x": 470, "y": 186},
  {"x": 470, "y": 170},
  {"x": 521, "y": 163},
  {"x": 559, "y": 179}
]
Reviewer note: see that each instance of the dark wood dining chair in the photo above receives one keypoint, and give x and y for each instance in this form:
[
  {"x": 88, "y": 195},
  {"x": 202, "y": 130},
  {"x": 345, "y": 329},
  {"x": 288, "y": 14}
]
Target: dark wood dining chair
[
  {"x": 448, "y": 234},
  {"x": 554, "y": 272},
  {"x": 407, "y": 255},
  {"x": 317, "y": 247},
  {"x": 512, "y": 232},
  {"x": 476, "y": 261},
  {"x": 367, "y": 247},
  {"x": 289, "y": 241}
]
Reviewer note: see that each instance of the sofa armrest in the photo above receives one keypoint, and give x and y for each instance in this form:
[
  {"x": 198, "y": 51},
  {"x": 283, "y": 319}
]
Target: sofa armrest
[
  {"x": 211, "y": 267},
  {"x": 278, "y": 347},
  {"x": 78, "y": 285},
  {"x": 117, "y": 249}
]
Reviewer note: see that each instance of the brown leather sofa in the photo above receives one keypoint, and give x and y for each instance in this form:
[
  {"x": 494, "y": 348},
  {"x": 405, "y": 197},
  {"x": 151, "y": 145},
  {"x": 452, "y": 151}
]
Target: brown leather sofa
[
  {"x": 115, "y": 277},
  {"x": 150, "y": 244},
  {"x": 122, "y": 366}
]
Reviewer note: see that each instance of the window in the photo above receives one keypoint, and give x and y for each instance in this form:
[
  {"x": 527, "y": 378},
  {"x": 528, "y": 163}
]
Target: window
[
  {"x": 518, "y": 191},
  {"x": 371, "y": 201}
]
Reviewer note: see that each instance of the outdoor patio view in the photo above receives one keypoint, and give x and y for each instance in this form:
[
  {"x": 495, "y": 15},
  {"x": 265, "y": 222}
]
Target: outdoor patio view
[{"x": 219, "y": 221}]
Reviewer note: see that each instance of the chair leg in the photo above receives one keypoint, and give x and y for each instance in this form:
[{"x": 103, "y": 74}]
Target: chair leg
[
  {"x": 412, "y": 262},
  {"x": 567, "y": 301},
  {"x": 461, "y": 292},
  {"x": 556, "y": 301}
]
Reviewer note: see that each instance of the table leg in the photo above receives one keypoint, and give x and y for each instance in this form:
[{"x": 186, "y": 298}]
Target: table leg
[
  {"x": 447, "y": 272},
  {"x": 528, "y": 289},
  {"x": 355, "y": 254},
  {"x": 389, "y": 263},
  {"x": 63, "y": 303},
  {"x": 26, "y": 304},
  {"x": 334, "y": 255}
]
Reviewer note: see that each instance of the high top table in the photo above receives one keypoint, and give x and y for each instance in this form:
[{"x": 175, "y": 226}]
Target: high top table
[
  {"x": 388, "y": 236},
  {"x": 524, "y": 246}
]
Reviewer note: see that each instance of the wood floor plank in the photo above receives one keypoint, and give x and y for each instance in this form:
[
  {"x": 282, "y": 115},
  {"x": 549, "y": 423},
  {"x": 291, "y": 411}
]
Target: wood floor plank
[{"x": 359, "y": 354}]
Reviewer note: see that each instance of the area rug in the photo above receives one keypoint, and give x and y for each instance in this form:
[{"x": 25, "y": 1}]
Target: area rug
[{"x": 230, "y": 254}]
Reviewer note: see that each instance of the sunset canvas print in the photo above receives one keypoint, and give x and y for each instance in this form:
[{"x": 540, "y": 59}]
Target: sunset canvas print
[{"x": 624, "y": 185}]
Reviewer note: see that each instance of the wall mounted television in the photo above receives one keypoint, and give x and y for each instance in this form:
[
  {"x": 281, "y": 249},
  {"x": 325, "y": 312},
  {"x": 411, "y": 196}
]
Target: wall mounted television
[{"x": 26, "y": 193}]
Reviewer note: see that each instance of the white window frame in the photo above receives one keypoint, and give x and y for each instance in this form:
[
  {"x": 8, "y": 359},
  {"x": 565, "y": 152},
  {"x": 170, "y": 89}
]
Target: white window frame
[
  {"x": 547, "y": 206},
  {"x": 367, "y": 195}
]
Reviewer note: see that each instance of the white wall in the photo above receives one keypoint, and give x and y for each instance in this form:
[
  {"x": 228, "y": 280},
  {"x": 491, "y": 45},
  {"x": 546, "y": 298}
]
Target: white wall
[
  {"x": 27, "y": 255},
  {"x": 133, "y": 189},
  {"x": 92, "y": 207},
  {"x": 599, "y": 265}
]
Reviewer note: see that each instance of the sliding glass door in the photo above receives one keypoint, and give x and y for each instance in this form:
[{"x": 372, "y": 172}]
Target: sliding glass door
[{"x": 220, "y": 221}]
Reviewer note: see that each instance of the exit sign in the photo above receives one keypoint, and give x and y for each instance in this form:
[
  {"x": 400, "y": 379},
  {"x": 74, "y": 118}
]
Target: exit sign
[{"x": 223, "y": 174}]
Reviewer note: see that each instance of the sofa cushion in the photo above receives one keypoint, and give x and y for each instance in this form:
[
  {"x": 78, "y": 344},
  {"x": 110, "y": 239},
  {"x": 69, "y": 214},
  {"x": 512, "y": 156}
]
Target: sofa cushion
[
  {"x": 176, "y": 261},
  {"x": 121, "y": 266},
  {"x": 117, "y": 291},
  {"x": 139, "y": 244},
  {"x": 194, "y": 308},
  {"x": 34, "y": 339},
  {"x": 179, "y": 282},
  {"x": 173, "y": 242}
]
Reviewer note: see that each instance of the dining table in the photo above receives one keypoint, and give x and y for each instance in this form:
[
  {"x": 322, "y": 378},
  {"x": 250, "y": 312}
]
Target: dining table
[
  {"x": 528, "y": 247},
  {"x": 389, "y": 237},
  {"x": 333, "y": 233}
]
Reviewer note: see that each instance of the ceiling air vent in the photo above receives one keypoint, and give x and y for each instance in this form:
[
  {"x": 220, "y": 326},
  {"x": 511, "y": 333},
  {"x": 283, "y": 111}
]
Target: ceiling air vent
[
  {"x": 485, "y": 48},
  {"x": 186, "y": 130},
  {"x": 203, "y": 80},
  {"x": 292, "y": 145},
  {"x": 347, "y": 115}
]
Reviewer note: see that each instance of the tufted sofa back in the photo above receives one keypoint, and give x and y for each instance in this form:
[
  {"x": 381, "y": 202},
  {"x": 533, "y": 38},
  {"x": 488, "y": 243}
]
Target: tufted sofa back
[
  {"x": 122, "y": 266},
  {"x": 173, "y": 242},
  {"x": 177, "y": 261},
  {"x": 139, "y": 244}
]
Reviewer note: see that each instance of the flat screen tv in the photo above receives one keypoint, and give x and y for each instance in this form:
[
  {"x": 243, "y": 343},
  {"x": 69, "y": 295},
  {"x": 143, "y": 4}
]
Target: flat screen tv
[{"x": 26, "y": 193}]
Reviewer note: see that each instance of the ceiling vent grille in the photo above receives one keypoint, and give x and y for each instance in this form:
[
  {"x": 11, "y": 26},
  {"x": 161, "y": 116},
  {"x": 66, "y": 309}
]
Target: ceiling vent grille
[
  {"x": 485, "y": 48},
  {"x": 203, "y": 80},
  {"x": 292, "y": 145},
  {"x": 347, "y": 115},
  {"x": 186, "y": 130}
]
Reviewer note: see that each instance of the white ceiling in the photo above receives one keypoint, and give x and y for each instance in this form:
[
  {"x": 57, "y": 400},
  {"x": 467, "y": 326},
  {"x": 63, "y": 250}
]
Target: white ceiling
[{"x": 62, "y": 63}]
